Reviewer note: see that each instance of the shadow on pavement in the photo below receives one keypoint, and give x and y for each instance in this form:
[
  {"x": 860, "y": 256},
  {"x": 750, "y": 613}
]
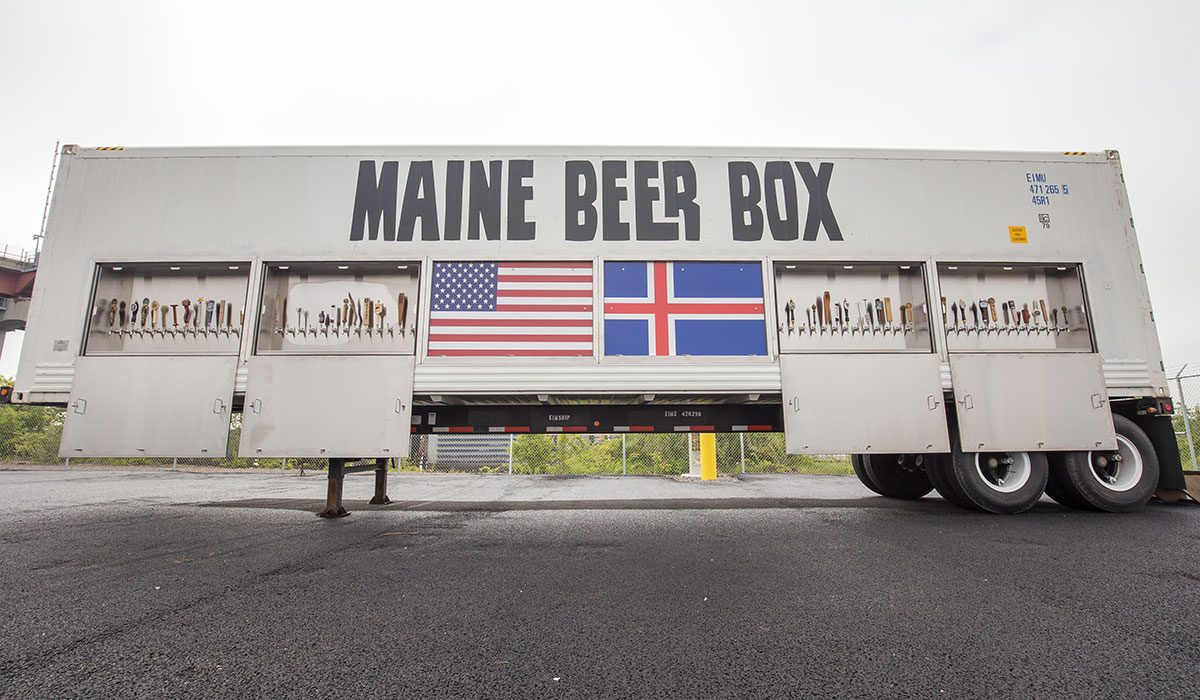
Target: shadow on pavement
[{"x": 313, "y": 505}]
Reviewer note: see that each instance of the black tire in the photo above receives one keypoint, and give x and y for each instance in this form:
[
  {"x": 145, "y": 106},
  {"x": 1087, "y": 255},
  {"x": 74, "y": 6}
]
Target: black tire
[
  {"x": 938, "y": 472},
  {"x": 1116, "y": 486},
  {"x": 988, "y": 481},
  {"x": 857, "y": 462},
  {"x": 1056, "y": 487},
  {"x": 899, "y": 475}
]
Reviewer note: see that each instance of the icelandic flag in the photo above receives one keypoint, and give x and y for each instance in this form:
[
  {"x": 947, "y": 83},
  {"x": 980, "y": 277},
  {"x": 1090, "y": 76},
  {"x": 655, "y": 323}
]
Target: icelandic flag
[{"x": 685, "y": 308}]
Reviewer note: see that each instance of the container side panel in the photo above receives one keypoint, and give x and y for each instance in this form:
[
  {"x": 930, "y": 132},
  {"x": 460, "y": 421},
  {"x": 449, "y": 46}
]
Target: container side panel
[
  {"x": 149, "y": 407},
  {"x": 863, "y": 404},
  {"x": 1031, "y": 402}
]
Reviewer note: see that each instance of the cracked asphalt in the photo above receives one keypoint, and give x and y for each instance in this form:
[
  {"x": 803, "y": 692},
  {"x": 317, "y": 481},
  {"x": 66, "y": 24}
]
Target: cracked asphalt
[{"x": 162, "y": 584}]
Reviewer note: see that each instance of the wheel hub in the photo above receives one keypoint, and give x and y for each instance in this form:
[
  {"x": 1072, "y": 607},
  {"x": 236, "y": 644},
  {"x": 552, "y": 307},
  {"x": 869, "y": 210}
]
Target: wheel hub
[
  {"x": 1118, "y": 470},
  {"x": 1004, "y": 471}
]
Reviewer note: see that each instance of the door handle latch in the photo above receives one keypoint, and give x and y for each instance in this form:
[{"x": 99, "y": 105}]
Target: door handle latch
[
  {"x": 256, "y": 405},
  {"x": 80, "y": 406},
  {"x": 968, "y": 402},
  {"x": 933, "y": 402},
  {"x": 399, "y": 405},
  {"x": 218, "y": 407},
  {"x": 1097, "y": 401}
]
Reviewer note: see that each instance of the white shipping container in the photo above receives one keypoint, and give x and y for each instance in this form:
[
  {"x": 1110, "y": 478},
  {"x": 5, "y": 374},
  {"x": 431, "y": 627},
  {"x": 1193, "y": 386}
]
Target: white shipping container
[{"x": 278, "y": 233}]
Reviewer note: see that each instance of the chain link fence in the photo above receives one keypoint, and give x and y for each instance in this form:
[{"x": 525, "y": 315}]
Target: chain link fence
[
  {"x": 31, "y": 435},
  {"x": 1185, "y": 391}
]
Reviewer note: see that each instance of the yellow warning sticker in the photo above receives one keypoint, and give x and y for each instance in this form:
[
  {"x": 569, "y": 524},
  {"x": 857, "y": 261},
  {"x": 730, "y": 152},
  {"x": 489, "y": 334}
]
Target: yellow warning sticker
[{"x": 1016, "y": 234}]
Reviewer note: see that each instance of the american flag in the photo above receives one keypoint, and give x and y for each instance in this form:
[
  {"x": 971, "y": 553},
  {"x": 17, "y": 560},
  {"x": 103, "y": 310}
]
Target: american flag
[{"x": 517, "y": 309}]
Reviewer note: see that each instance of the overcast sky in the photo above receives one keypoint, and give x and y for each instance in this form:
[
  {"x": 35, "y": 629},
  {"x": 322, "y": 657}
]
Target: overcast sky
[{"x": 977, "y": 75}]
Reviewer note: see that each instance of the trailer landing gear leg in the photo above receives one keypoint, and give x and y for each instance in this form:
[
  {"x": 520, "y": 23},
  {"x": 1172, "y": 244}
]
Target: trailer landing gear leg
[
  {"x": 381, "y": 497},
  {"x": 333, "y": 497}
]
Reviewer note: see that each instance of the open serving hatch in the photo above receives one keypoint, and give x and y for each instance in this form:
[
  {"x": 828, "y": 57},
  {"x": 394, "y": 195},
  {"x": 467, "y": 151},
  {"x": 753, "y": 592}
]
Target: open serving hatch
[
  {"x": 856, "y": 359},
  {"x": 160, "y": 355},
  {"x": 332, "y": 369}
]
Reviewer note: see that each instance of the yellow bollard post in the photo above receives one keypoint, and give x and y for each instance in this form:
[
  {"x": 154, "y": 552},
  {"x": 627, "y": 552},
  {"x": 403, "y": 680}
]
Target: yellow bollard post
[{"x": 708, "y": 457}]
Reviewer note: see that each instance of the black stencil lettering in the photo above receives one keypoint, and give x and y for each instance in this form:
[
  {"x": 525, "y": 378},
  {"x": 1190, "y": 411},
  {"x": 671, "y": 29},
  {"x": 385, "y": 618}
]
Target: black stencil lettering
[
  {"x": 420, "y": 202},
  {"x": 785, "y": 225},
  {"x": 454, "y": 193},
  {"x": 375, "y": 201},
  {"x": 644, "y": 197},
  {"x": 483, "y": 204},
  {"x": 518, "y": 194},
  {"x": 745, "y": 191},
  {"x": 679, "y": 196},
  {"x": 819, "y": 211},
  {"x": 613, "y": 194},
  {"x": 580, "y": 199}
]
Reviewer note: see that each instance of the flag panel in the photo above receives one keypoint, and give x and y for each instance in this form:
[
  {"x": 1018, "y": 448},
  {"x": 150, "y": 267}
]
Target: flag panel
[
  {"x": 664, "y": 309},
  {"x": 511, "y": 309}
]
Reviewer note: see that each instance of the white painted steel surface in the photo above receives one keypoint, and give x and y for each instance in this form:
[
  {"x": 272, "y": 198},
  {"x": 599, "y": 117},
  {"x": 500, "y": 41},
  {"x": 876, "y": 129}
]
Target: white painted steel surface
[
  {"x": 262, "y": 204},
  {"x": 332, "y": 406},
  {"x": 149, "y": 407},
  {"x": 863, "y": 404},
  {"x": 1034, "y": 402}
]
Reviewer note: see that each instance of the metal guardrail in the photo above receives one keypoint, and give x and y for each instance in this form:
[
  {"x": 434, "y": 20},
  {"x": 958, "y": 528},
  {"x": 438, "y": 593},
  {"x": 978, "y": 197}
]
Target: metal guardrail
[{"x": 17, "y": 255}]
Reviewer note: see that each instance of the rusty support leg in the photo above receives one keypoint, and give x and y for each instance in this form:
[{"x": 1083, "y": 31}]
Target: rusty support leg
[
  {"x": 333, "y": 497},
  {"x": 381, "y": 497}
]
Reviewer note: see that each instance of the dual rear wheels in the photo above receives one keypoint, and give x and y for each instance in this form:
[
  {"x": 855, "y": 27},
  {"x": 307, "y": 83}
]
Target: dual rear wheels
[
  {"x": 897, "y": 476},
  {"x": 1116, "y": 481},
  {"x": 1119, "y": 480}
]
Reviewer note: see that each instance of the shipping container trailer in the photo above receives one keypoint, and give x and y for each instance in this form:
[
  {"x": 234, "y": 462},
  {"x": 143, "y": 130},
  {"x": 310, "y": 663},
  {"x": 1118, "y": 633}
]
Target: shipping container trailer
[{"x": 974, "y": 322}]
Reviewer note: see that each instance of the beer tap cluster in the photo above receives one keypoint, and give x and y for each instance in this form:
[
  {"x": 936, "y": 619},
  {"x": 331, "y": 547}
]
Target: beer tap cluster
[
  {"x": 149, "y": 318},
  {"x": 363, "y": 317},
  {"x": 989, "y": 316},
  {"x": 865, "y": 317}
]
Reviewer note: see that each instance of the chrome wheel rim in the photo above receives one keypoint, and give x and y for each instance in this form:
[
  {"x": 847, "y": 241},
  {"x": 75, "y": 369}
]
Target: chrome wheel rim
[
  {"x": 1004, "y": 472},
  {"x": 1120, "y": 470}
]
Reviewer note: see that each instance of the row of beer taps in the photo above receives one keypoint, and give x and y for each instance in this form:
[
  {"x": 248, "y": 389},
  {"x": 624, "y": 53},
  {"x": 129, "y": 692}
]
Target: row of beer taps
[
  {"x": 150, "y": 318},
  {"x": 876, "y": 317},
  {"x": 358, "y": 317},
  {"x": 988, "y": 316},
  {"x": 828, "y": 316}
]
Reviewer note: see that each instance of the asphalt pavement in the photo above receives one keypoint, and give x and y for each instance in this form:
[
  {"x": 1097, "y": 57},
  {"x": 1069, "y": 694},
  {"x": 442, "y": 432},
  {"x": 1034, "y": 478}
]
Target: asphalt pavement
[{"x": 161, "y": 584}]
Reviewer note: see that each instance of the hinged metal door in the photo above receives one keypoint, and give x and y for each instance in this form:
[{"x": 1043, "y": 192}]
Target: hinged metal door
[
  {"x": 1031, "y": 402},
  {"x": 328, "y": 406},
  {"x": 149, "y": 407},
  {"x": 863, "y": 404}
]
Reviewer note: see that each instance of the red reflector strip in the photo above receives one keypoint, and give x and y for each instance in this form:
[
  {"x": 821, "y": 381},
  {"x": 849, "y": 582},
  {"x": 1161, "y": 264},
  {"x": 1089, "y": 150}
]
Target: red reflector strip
[
  {"x": 567, "y": 429},
  {"x": 462, "y": 429},
  {"x": 633, "y": 428},
  {"x": 752, "y": 428},
  {"x": 695, "y": 429},
  {"x": 509, "y": 429}
]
